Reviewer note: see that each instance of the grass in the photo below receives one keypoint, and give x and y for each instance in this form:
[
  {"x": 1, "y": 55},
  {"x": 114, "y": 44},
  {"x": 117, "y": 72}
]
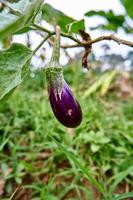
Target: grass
[{"x": 42, "y": 160}]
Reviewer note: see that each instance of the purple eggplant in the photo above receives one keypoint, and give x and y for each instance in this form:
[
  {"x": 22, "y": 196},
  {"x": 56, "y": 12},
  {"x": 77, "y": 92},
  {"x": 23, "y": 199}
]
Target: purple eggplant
[{"x": 65, "y": 107}]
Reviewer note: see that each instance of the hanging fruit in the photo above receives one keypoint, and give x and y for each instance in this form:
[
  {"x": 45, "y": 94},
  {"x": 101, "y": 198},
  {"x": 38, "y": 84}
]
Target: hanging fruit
[{"x": 64, "y": 105}]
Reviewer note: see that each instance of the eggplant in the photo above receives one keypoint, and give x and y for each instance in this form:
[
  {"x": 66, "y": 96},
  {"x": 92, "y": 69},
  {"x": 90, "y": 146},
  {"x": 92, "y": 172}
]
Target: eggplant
[{"x": 65, "y": 107}]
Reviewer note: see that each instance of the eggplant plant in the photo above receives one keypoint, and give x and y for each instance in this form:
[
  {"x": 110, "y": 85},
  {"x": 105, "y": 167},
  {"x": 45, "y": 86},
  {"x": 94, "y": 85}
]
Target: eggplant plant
[{"x": 63, "y": 103}]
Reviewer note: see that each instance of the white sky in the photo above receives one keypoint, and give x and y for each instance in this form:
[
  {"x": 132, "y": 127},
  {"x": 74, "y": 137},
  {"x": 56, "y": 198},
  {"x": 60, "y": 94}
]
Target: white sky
[{"x": 77, "y": 8}]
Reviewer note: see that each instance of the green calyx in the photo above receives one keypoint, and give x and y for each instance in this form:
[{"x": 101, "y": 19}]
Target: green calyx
[
  {"x": 54, "y": 77},
  {"x": 54, "y": 71}
]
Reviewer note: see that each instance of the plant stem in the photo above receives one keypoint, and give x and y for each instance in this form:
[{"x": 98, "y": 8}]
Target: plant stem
[
  {"x": 92, "y": 41},
  {"x": 111, "y": 37},
  {"x": 42, "y": 42},
  {"x": 62, "y": 34},
  {"x": 56, "y": 47},
  {"x": 41, "y": 28}
]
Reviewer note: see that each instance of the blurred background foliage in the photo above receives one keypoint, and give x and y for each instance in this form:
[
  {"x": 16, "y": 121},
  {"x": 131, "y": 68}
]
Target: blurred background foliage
[{"x": 32, "y": 164}]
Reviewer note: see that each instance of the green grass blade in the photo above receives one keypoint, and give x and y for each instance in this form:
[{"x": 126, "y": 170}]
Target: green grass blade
[
  {"x": 95, "y": 86},
  {"x": 4, "y": 143},
  {"x": 84, "y": 170},
  {"x": 119, "y": 177},
  {"x": 107, "y": 82},
  {"x": 124, "y": 196}
]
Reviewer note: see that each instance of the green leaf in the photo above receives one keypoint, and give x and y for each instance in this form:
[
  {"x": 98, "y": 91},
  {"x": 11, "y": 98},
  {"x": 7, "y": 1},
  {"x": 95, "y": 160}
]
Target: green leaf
[
  {"x": 4, "y": 143},
  {"x": 109, "y": 16},
  {"x": 56, "y": 17},
  {"x": 128, "y": 4},
  {"x": 123, "y": 196},
  {"x": 75, "y": 26},
  {"x": 13, "y": 68},
  {"x": 10, "y": 23},
  {"x": 102, "y": 82},
  {"x": 107, "y": 81},
  {"x": 95, "y": 86},
  {"x": 113, "y": 27},
  {"x": 95, "y": 148},
  {"x": 51, "y": 197},
  {"x": 20, "y": 6},
  {"x": 113, "y": 21},
  {"x": 6, "y": 20}
]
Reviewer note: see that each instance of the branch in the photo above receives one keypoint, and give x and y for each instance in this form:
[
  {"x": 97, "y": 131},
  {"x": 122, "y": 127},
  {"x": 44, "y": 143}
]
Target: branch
[
  {"x": 71, "y": 46},
  {"x": 62, "y": 34},
  {"x": 110, "y": 37},
  {"x": 101, "y": 38},
  {"x": 84, "y": 44}
]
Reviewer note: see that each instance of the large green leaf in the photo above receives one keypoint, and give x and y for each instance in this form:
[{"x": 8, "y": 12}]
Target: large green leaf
[
  {"x": 10, "y": 23},
  {"x": 20, "y": 6},
  {"x": 113, "y": 21},
  {"x": 56, "y": 17},
  {"x": 13, "y": 67},
  {"x": 128, "y": 4}
]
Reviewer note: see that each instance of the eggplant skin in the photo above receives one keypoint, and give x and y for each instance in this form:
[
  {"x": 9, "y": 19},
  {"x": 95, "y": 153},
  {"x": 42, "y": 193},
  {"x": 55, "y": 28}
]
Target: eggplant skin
[{"x": 65, "y": 107}]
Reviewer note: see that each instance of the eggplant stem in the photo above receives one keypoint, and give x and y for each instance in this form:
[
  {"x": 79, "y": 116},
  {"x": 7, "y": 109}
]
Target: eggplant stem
[{"x": 56, "y": 49}]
